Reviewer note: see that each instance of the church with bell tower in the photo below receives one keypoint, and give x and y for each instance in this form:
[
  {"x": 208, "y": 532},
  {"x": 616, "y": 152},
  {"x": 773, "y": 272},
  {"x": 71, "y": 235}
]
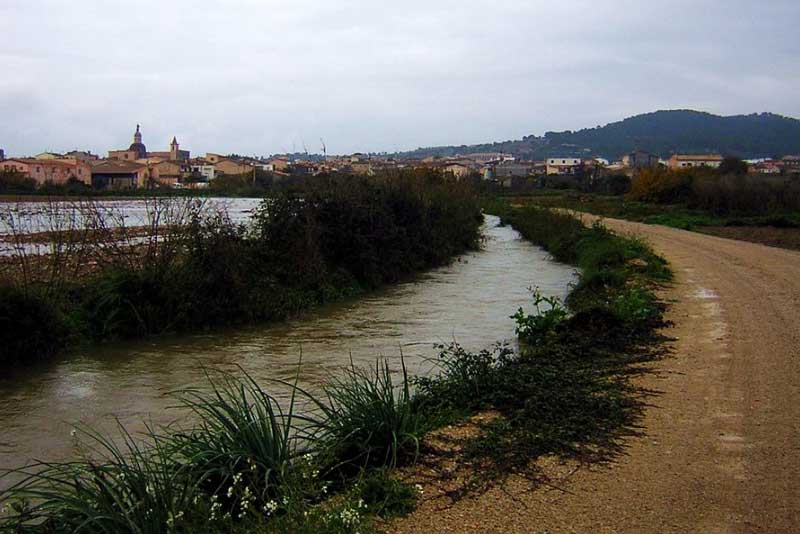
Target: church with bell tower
[{"x": 138, "y": 151}]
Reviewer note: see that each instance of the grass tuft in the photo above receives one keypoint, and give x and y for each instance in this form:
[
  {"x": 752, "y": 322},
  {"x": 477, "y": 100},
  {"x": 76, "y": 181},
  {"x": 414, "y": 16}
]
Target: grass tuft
[{"x": 365, "y": 419}]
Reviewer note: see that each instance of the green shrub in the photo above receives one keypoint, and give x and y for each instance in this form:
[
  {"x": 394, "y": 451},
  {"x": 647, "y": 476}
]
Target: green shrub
[
  {"x": 16, "y": 182},
  {"x": 463, "y": 381},
  {"x": 386, "y": 496},
  {"x": 127, "y": 302},
  {"x": 32, "y": 327},
  {"x": 112, "y": 488},
  {"x": 535, "y": 328},
  {"x": 364, "y": 419},
  {"x": 244, "y": 445}
]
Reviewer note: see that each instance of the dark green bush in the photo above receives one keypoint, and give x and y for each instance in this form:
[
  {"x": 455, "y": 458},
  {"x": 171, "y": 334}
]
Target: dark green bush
[
  {"x": 465, "y": 379},
  {"x": 385, "y": 496},
  {"x": 365, "y": 419},
  {"x": 32, "y": 327},
  {"x": 16, "y": 182}
]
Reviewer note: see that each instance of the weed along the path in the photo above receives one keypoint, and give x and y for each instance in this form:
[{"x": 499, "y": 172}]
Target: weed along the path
[{"x": 567, "y": 391}]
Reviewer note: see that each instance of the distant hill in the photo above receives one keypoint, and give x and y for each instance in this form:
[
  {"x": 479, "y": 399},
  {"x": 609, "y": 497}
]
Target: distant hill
[{"x": 661, "y": 132}]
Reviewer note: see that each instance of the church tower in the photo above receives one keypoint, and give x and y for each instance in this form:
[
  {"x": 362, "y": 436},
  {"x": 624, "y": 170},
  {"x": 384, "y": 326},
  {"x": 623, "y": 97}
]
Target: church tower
[
  {"x": 174, "y": 149},
  {"x": 137, "y": 146}
]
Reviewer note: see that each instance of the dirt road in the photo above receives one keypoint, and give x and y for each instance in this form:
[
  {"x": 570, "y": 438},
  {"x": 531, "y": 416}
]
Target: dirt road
[{"x": 721, "y": 445}]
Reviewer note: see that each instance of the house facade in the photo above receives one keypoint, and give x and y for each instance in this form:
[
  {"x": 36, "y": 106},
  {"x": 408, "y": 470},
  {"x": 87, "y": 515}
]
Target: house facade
[
  {"x": 82, "y": 155},
  {"x": 230, "y": 167},
  {"x": 688, "y": 161},
  {"x": 119, "y": 175},
  {"x": 513, "y": 169},
  {"x": 791, "y": 164},
  {"x": 458, "y": 170},
  {"x": 564, "y": 165},
  {"x": 639, "y": 159},
  {"x": 54, "y": 171},
  {"x": 169, "y": 172},
  {"x": 203, "y": 169}
]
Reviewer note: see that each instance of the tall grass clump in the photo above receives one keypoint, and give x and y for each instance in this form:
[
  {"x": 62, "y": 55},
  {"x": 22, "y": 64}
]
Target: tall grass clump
[
  {"x": 114, "y": 487},
  {"x": 244, "y": 445},
  {"x": 365, "y": 419}
]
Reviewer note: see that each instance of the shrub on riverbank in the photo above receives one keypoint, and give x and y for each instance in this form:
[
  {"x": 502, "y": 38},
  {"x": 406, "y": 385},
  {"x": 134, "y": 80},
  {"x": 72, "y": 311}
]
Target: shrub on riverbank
[
  {"x": 567, "y": 391},
  {"x": 365, "y": 419},
  {"x": 30, "y": 323},
  {"x": 318, "y": 241}
]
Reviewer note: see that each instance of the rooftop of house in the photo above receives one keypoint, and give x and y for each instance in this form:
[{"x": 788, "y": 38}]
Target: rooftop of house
[
  {"x": 48, "y": 162},
  {"x": 117, "y": 167},
  {"x": 697, "y": 157}
]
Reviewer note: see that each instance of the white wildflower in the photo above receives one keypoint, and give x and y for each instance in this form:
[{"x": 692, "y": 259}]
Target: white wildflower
[{"x": 270, "y": 507}]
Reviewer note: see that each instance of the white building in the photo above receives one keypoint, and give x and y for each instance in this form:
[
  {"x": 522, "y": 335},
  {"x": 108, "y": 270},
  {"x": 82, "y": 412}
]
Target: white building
[
  {"x": 687, "y": 161},
  {"x": 206, "y": 171},
  {"x": 563, "y": 165}
]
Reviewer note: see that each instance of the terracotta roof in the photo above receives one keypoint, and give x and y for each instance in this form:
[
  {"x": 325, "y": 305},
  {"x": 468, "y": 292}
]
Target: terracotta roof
[
  {"x": 45, "y": 162},
  {"x": 697, "y": 157},
  {"x": 121, "y": 167}
]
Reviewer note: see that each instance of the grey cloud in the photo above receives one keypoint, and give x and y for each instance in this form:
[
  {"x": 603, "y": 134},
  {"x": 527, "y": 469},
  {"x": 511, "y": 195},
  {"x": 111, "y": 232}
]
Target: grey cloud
[{"x": 256, "y": 76}]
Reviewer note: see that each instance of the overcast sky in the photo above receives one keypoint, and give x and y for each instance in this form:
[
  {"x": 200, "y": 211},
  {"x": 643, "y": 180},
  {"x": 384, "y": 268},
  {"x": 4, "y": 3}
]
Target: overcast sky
[{"x": 264, "y": 76}]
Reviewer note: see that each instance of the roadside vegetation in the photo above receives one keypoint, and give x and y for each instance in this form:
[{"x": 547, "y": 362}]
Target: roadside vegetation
[
  {"x": 252, "y": 464},
  {"x": 726, "y": 201},
  {"x": 191, "y": 268},
  {"x": 567, "y": 390}
]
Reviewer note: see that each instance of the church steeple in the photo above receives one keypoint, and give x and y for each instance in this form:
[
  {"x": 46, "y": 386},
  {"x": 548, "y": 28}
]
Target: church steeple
[
  {"x": 174, "y": 144},
  {"x": 138, "y": 146}
]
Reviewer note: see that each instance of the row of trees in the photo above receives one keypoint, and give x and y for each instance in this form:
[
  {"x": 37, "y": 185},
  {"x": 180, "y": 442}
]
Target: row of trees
[{"x": 727, "y": 190}]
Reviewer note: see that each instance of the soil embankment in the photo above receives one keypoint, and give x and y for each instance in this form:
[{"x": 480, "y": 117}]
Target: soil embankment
[{"x": 720, "y": 450}]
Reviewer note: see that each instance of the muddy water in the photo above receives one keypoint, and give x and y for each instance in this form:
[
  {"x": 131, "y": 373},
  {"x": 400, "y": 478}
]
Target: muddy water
[{"x": 469, "y": 301}]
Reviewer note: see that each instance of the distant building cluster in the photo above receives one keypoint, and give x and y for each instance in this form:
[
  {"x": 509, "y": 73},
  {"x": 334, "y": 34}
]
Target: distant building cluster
[
  {"x": 131, "y": 167},
  {"x": 134, "y": 167}
]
